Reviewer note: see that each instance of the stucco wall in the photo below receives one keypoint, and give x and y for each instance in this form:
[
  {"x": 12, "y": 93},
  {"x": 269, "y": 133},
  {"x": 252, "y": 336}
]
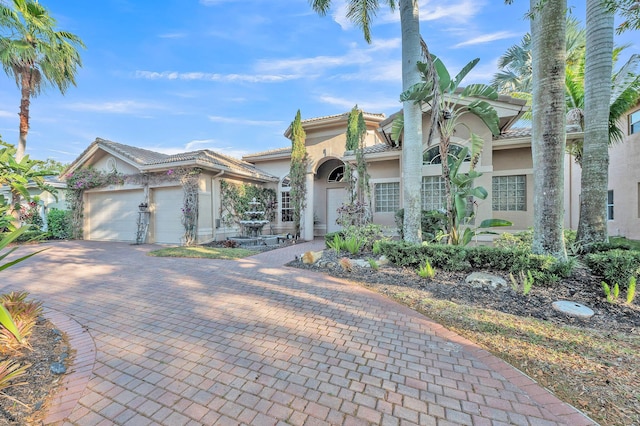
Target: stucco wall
[{"x": 624, "y": 180}]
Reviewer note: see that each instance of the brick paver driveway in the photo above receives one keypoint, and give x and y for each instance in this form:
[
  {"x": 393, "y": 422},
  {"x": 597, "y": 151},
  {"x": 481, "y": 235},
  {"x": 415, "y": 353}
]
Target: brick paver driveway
[{"x": 202, "y": 342}]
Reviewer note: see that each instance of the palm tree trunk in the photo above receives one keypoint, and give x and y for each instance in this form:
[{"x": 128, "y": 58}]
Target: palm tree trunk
[
  {"x": 592, "y": 226},
  {"x": 25, "y": 101},
  {"x": 548, "y": 139},
  {"x": 412, "y": 144}
]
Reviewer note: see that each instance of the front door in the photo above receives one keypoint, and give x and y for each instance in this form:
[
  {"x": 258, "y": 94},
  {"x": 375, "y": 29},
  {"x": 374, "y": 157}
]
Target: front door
[{"x": 335, "y": 198}]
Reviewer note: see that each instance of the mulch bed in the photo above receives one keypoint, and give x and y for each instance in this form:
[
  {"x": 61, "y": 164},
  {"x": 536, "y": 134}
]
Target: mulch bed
[
  {"x": 49, "y": 345},
  {"x": 582, "y": 287}
]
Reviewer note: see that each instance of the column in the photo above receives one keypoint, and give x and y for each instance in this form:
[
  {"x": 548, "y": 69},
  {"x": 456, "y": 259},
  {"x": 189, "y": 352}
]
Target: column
[{"x": 306, "y": 225}]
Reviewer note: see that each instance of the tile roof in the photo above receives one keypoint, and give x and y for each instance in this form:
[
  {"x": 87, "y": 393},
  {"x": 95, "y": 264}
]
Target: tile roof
[
  {"x": 146, "y": 158},
  {"x": 525, "y": 132},
  {"x": 285, "y": 150},
  {"x": 344, "y": 114}
]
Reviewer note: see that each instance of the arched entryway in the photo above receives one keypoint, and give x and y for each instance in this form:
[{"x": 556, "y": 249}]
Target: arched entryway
[{"x": 329, "y": 195}]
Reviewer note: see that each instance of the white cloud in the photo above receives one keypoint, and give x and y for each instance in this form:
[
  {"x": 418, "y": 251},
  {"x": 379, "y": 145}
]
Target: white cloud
[
  {"x": 8, "y": 114},
  {"x": 453, "y": 11},
  {"x": 487, "y": 38},
  {"x": 117, "y": 107},
  {"x": 374, "y": 106},
  {"x": 203, "y": 76},
  {"x": 173, "y": 35},
  {"x": 231, "y": 120}
]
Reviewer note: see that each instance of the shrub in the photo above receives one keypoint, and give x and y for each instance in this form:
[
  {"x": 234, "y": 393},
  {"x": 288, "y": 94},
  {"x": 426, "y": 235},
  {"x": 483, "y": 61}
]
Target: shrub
[
  {"x": 353, "y": 244},
  {"x": 543, "y": 269},
  {"x": 59, "y": 224},
  {"x": 431, "y": 222},
  {"x": 615, "y": 266},
  {"x": 524, "y": 283},
  {"x": 23, "y": 314},
  {"x": 519, "y": 241},
  {"x": 367, "y": 235}
]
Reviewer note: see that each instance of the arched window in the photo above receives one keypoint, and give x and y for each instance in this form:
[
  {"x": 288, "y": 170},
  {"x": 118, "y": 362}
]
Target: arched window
[
  {"x": 336, "y": 175},
  {"x": 286, "y": 209},
  {"x": 432, "y": 155}
]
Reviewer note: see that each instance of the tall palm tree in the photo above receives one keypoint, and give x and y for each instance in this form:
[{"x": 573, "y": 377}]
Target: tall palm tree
[
  {"x": 36, "y": 54},
  {"x": 592, "y": 225},
  {"x": 361, "y": 12},
  {"x": 548, "y": 37}
]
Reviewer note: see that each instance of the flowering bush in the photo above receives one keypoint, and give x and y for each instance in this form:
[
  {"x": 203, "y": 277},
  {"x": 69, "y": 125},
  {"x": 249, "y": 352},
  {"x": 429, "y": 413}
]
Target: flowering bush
[{"x": 92, "y": 178}]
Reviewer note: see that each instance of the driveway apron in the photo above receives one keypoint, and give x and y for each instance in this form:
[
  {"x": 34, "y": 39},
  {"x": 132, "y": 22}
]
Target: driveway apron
[{"x": 167, "y": 341}]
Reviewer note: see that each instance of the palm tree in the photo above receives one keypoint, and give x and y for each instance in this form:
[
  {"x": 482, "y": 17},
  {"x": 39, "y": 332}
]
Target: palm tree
[
  {"x": 442, "y": 97},
  {"x": 592, "y": 226},
  {"x": 514, "y": 79},
  {"x": 36, "y": 55},
  {"x": 548, "y": 40},
  {"x": 361, "y": 12}
]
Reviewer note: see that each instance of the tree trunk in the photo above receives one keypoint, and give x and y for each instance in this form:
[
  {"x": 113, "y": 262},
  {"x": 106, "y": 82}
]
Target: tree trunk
[
  {"x": 592, "y": 226},
  {"x": 412, "y": 143},
  {"x": 24, "y": 114},
  {"x": 548, "y": 140}
]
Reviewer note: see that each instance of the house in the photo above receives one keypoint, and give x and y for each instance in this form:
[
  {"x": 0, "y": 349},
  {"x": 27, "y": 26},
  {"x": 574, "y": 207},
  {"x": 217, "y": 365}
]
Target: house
[
  {"x": 112, "y": 213},
  {"x": 46, "y": 200}
]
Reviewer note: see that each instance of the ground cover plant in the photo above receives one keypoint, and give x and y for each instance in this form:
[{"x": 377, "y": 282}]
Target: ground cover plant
[
  {"x": 593, "y": 364},
  {"x": 203, "y": 252}
]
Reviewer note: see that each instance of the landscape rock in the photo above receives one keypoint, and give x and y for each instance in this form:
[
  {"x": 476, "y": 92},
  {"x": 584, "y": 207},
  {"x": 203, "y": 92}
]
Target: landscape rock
[
  {"x": 382, "y": 260},
  {"x": 573, "y": 309},
  {"x": 58, "y": 368},
  {"x": 311, "y": 257},
  {"x": 484, "y": 280},
  {"x": 361, "y": 263}
]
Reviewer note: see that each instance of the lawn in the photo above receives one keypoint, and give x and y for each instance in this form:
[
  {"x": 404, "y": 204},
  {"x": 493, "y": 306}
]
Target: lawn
[{"x": 201, "y": 252}]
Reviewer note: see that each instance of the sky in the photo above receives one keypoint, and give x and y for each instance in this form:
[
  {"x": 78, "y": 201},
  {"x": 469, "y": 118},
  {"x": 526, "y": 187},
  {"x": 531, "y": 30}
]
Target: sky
[{"x": 229, "y": 75}]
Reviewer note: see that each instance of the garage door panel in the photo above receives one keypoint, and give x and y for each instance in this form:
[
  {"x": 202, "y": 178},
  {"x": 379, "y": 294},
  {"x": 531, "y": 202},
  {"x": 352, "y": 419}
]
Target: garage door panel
[
  {"x": 113, "y": 216},
  {"x": 168, "y": 227}
]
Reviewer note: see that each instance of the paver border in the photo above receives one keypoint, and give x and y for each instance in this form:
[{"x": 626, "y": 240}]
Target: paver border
[{"x": 74, "y": 383}]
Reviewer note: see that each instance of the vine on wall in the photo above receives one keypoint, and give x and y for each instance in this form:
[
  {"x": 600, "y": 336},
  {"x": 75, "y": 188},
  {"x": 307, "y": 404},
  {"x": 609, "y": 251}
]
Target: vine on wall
[
  {"x": 235, "y": 200},
  {"x": 190, "y": 178}
]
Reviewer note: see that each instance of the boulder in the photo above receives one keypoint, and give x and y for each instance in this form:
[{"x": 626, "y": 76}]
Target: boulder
[
  {"x": 311, "y": 257},
  {"x": 487, "y": 281},
  {"x": 573, "y": 309},
  {"x": 382, "y": 261}
]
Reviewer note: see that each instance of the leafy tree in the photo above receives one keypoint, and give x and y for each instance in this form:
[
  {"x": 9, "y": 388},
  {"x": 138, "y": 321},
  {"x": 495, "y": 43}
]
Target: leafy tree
[
  {"x": 17, "y": 175},
  {"x": 449, "y": 111},
  {"x": 36, "y": 54},
  {"x": 52, "y": 165},
  {"x": 359, "y": 208},
  {"x": 548, "y": 139},
  {"x": 592, "y": 226},
  {"x": 361, "y": 13},
  {"x": 629, "y": 10},
  {"x": 298, "y": 171}
]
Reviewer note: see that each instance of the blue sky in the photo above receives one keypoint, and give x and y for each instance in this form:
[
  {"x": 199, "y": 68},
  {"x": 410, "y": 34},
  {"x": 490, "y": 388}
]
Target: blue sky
[{"x": 229, "y": 75}]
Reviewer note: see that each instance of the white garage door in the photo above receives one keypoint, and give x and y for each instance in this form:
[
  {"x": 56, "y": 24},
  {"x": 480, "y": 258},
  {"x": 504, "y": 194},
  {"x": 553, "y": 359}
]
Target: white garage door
[
  {"x": 113, "y": 216},
  {"x": 167, "y": 219}
]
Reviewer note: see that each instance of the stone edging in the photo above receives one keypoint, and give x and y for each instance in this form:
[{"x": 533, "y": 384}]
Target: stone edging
[{"x": 73, "y": 383}]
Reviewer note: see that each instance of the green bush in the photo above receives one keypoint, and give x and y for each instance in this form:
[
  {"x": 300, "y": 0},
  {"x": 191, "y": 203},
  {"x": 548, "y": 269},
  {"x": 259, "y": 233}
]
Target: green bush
[
  {"x": 330, "y": 238},
  {"x": 544, "y": 269},
  {"x": 367, "y": 235},
  {"x": 59, "y": 224},
  {"x": 431, "y": 223},
  {"x": 615, "y": 266}
]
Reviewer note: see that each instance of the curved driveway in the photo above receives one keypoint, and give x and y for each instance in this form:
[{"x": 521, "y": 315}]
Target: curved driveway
[{"x": 203, "y": 342}]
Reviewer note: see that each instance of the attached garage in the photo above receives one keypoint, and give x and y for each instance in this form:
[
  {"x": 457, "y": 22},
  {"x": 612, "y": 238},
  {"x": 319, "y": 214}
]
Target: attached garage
[
  {"x": 112, "y": 215},
  {"x": 167, "y": 216}
]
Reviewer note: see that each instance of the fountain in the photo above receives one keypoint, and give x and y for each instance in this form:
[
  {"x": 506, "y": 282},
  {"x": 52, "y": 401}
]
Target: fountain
[{"x": 251, "y": 227}]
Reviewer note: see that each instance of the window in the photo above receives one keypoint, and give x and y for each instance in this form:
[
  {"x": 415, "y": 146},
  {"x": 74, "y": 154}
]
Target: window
[
  {"x": 433, "y": 193},
  {"x": 432, "y": 155},
  {"x": 336, "y": 175},
  {"x": 610, "y": 204},
  {"x": 634, "y": 122},
  {"x": 387, "y": 197},
  {"x": 509, "y": 193},
  {"x": 286, "y": 211},
  {"x": 285, "y": 207}
]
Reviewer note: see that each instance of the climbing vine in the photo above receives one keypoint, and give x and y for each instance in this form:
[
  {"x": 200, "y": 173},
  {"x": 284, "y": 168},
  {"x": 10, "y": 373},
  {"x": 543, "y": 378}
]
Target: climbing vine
[
  {"x": 358, "y": 210},
  {"x": 79, "y": 181},
  {"x": 189, "y": 178},
  {"x": 235, "y": 200}
]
